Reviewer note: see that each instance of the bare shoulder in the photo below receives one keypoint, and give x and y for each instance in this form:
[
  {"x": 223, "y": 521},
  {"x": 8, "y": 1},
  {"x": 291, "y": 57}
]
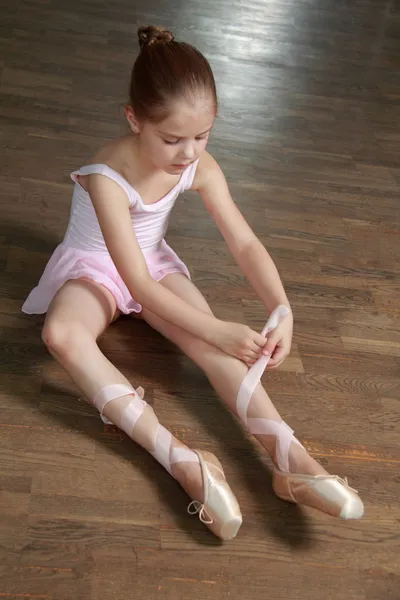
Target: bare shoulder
[
  {"x": 113, "y": 154},
  {"x": 208, "y": 172}
]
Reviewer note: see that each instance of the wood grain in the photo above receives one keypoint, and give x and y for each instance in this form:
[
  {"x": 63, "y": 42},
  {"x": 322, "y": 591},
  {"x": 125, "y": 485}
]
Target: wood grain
[{"x": 308, "y": 137}]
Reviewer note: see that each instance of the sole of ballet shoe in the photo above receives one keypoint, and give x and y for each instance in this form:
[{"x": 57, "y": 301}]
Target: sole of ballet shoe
[
  {"x": 220, "y": 503},
  {"x": 331, "y": 494}
]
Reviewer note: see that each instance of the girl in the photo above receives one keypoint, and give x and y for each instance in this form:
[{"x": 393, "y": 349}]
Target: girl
[{"x": 114, "y": 260}]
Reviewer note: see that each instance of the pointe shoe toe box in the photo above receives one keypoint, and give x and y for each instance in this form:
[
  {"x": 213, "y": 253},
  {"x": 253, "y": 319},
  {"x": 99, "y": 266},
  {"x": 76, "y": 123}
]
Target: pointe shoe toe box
[
  {"x": 220, "y": 503},
  {"x": 352, "y": 509},
  {"x": 329, "y": 494},
  {"x": 229, "y": 529},
  {"x": 337, "y": 491}
]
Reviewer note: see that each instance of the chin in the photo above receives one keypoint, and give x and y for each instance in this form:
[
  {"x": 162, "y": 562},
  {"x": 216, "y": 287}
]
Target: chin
[{"x": 172, "y": 169}]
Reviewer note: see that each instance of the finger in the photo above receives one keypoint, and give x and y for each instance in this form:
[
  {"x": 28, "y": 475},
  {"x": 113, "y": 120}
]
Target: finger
[
  {"x": 251, "y": 356},
  {"x": 280, "y": 353},
  {"x": 274, "y": 365},
  {"x": 271, "y": 344},
  {"x": 271, "y": 366},
  {"x": 278, "y": 357},
  {"x": 250, "y": 361},
  {"x": 259, "y": 339},
  {"x": 140, "y": 392},
  {"x": 256, "y": 348}
]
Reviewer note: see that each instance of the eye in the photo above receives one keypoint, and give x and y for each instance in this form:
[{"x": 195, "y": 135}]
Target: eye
[
  {"x": 202, "y": 137},
  {"x": 171, "y": 143}
]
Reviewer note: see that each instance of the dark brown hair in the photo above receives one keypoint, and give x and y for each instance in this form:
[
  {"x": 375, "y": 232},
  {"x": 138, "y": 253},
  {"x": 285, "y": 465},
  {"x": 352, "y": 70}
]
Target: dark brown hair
[{"x": 166, "y": 70}]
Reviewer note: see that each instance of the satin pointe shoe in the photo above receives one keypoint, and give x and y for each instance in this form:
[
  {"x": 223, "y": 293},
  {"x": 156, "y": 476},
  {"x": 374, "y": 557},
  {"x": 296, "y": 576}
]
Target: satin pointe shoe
[
  {"x": 220, "y": 510},
  {"x": 328, "y": 493}
]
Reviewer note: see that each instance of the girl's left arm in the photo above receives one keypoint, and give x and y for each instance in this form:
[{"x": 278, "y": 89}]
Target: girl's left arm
[{"x": 249, "y": 253}]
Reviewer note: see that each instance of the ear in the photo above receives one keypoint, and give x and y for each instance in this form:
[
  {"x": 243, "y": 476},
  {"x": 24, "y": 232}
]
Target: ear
[{"x": 131, "y": 118}]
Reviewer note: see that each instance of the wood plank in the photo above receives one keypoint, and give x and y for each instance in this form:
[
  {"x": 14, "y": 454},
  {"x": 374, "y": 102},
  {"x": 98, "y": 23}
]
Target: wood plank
[{"x": 308, "y": 138}]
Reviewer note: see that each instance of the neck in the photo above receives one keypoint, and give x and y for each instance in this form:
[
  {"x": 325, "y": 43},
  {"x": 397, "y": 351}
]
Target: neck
[{"x": 141, "y": 160}]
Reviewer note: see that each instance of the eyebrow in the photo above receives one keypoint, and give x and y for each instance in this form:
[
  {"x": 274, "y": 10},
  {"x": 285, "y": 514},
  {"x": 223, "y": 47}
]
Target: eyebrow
[{"x": 179, "y": 137}]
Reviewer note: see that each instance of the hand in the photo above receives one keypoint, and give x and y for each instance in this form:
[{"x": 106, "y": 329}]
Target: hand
[
  {"x": 279, "y": 342},
  {"x": 239, "y": 341}
]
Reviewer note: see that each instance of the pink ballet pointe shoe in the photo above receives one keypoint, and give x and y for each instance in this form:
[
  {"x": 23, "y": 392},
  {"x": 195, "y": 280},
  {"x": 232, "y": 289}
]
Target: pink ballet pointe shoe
[
  {"x": 328, "y": 493},
  {"x": 219, "y": 510}
]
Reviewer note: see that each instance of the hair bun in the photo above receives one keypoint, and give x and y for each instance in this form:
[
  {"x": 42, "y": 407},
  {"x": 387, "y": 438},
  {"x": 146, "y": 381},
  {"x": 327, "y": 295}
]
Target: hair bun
[{"x": 151, "y": 35}]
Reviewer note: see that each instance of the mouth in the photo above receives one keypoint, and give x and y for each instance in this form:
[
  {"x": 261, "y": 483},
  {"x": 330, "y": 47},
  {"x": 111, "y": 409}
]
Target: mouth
[{"x": 181, "y": 166}]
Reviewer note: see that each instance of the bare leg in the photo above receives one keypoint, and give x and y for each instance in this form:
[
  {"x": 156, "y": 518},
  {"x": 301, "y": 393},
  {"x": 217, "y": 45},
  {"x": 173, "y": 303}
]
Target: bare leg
[
  {"x": 79, "y": 313},
  {"x": 226, "y": 373}
]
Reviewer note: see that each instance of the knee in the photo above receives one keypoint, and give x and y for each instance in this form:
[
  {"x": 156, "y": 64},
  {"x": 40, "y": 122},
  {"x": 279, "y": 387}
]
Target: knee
[{"x": 63, "y": 339}]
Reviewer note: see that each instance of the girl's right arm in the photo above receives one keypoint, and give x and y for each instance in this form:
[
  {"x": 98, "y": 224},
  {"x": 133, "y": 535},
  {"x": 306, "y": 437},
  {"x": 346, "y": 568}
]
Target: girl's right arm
[{"x": 112, "y": 209}]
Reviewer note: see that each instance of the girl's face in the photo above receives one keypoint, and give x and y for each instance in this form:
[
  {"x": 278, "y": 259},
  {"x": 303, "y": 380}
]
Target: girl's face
[{"x": 178, "y": 140}]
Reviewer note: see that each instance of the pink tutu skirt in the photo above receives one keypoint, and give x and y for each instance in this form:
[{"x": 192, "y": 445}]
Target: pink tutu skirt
[{"x": 71, "y": 263}]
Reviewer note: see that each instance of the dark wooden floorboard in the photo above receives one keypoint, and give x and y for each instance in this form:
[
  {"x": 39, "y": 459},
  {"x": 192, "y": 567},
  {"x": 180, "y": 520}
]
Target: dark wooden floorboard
[{"x": 309, "y": 138}]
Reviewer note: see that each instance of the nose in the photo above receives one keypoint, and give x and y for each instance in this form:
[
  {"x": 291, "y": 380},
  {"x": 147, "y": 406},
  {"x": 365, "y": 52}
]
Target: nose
[{"x": 189, "y": 152}]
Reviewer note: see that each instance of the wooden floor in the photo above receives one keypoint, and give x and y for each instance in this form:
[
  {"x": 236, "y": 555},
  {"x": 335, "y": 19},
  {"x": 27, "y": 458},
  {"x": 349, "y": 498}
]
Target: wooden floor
[{"x": 309, "y": 138}]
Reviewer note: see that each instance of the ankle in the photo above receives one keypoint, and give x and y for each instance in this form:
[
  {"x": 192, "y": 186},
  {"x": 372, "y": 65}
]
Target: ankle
[
  {"x": 301, "y": 462},
  {"x": 189, "y": 476}
]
